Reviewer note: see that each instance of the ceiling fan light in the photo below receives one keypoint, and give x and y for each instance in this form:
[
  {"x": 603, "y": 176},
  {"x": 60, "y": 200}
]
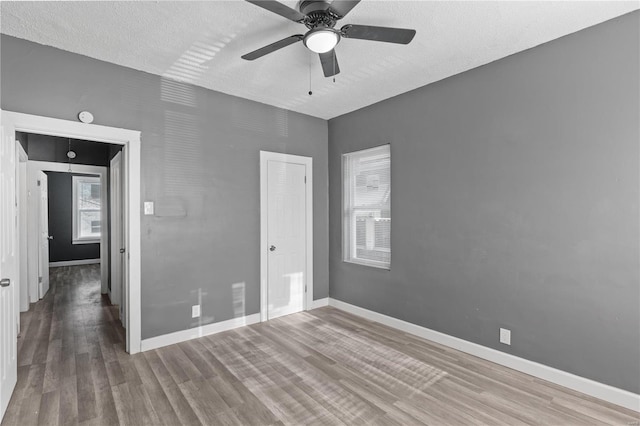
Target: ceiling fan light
[{"x": 321, "y": 41}]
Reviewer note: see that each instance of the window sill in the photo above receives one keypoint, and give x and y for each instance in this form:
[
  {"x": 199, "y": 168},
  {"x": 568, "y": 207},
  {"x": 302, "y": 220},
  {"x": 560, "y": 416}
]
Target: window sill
[
  {"x": 86, "y": 241},
  {"x": 370, "y": 264}
]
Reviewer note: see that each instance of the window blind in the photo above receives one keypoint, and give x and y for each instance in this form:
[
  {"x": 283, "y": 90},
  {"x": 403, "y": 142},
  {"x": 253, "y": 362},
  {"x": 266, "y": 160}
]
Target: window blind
[{"x": 367, "y": 207}]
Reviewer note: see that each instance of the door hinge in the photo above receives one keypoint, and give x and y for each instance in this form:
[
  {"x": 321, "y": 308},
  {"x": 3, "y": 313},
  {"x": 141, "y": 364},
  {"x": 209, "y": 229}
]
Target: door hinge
[
  {"x": 305, "y": 179},
  {"x": 38, "y": 183},
  {"x": 305, "y": 288},
  {"x": 40, "y": 280}
]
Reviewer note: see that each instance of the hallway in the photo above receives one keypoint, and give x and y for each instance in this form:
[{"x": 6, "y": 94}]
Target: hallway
[{"x": 65, "y": 337}]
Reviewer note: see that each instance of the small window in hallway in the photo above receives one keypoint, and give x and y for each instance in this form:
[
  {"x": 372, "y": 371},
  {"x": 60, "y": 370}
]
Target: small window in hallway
[{"x": 86, "y": 209}]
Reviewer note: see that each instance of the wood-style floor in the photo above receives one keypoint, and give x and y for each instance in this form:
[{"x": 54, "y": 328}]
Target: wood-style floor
[{"x": 317, "y": 367}]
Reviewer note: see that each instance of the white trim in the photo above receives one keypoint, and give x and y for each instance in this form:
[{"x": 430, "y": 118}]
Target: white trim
[
  {"x": 131, "y": 141},
  {"x": 74, "y": 242},
  {"x": 320, "y": 303},
  {"x": 22, "y": 185},
  {"x": 265, "y": 157},
  {"x": 33, "y": 167},
  {"x": 599, "y": 390},
  {"x": 73, "y": 262},
  {"x": 20, "y": 155},
  {"x": 133, "y": 274},
  {"x": 194, "y": 333},
  {"x": 369, "y": 263}
]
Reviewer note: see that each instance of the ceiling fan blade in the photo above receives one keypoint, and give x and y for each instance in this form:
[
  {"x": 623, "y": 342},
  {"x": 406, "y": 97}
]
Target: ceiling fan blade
[
  {"x": 272, "y": 47},
  {"x": 342, "y": 7},
  {"x": 329, "y": 63},
  {"x": 368, "y": 32},
  {"x": 280, "y": 9}
]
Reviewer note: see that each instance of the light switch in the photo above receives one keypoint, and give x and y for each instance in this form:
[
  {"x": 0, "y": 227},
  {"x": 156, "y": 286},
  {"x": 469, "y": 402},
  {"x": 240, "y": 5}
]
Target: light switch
[{"x": 148, "y": 208}]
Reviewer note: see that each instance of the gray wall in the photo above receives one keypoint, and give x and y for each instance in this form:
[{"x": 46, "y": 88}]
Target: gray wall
[
  {"x": 515, "y": 204},
  {"x": 200, "y": 164},
  {"x": 61, "y": 248}
]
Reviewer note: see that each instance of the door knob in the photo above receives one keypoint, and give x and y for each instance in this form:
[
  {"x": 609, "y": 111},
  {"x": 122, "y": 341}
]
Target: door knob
[
  {"x": 50, "y": 237},
  {"x": 272, "y": 248},
  {"x": 5, "y": 282},
  {"x": 121, "y": 250}
]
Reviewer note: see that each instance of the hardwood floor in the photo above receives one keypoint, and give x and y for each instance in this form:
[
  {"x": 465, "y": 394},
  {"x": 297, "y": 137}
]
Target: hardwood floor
[{"x": 319, "y": 367}]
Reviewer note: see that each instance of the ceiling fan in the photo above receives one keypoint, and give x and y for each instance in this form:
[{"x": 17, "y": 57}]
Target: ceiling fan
[{"x": 320, "y": 17}]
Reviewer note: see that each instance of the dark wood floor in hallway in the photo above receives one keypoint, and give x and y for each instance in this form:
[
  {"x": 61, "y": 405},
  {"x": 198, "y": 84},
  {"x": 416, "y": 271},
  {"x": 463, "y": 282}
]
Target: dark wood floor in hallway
[{"x": 318, "y": 367}]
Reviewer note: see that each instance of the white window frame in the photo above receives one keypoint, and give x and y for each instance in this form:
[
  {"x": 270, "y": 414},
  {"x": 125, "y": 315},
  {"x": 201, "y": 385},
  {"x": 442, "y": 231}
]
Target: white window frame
[
  {"x": 348, "y": 217},
  {"x": 75, "y": 182}
]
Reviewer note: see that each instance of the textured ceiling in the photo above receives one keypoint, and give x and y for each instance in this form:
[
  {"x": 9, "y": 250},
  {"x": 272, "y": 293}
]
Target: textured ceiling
[{"x": 201, "y": 43}]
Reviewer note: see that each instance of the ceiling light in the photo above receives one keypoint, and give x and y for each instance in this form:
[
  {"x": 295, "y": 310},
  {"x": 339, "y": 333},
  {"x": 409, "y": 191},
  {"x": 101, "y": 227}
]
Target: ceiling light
[
  {"x": 70, "y": 155},
  {"x": 321, "y": 40}
]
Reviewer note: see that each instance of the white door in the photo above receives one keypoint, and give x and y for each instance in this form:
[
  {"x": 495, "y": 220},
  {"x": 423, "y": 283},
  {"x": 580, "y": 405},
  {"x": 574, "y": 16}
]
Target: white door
[
  {"x": 286, "y": 227},
  {"x": 43, "y": 255},
  {"x": 8, "y": 269},
  {"x": 117, "y": 232}
]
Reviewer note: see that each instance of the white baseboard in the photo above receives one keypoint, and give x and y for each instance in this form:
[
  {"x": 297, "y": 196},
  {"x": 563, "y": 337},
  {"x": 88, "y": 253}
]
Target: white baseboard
[
  {"x": 74, "y": 262},
  {"x": 581, "y": 384},
  {"x": 194, "y": 333},
  {"x": 205, "y": 330},
  {"x": 319, "y": 303}
]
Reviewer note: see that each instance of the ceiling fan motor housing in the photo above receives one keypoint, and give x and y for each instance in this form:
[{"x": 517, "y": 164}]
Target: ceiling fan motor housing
[
  {"x": 308, "y": 6},
  {"x": 318, "y": 13}
]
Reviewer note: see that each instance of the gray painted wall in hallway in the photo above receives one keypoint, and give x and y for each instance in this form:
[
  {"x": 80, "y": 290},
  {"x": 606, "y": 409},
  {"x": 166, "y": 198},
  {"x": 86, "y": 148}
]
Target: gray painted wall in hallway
[
  {"x": 200, "y": 164},
  {"x": 61, "y": 248},
  {"x": 515, "y": 204}
]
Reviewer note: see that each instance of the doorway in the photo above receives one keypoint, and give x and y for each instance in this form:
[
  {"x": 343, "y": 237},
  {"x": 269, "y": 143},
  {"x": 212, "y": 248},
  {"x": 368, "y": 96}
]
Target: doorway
[
  {"x": 70, "y": 238},
  {"x": 130, "y": 141},
  {"x": 286, "y": 228}
]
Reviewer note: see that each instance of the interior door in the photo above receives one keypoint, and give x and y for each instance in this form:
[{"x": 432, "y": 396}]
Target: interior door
[
  {"x": 8, "y": 269},
  {"x": 125, "y": 307},
  {"x": 117, "y": 232},
  {"x": 43, "y": 255},
  {"x": 286, "y": 226}
]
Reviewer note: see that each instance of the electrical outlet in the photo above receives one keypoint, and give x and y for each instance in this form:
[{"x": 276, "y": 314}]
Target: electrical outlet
[
  {"x": 195, "y": 311},
  {"x": 505, "y": 336},
  {"x": 148, "y": 208}
]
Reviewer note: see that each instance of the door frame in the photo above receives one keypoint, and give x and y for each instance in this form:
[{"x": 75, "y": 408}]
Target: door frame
[
  {"x": 33, "y": 167},
  {"x": 23, "y": 201},
  {"x": 265, "y": 157},
  {"x": 130, "y": 139}
]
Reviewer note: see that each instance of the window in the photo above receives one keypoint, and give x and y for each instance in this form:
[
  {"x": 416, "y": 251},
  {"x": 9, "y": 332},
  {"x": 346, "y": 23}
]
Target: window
[
  {"x": 86, "y": 209},
  {"x": 367, "y": 207}
]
